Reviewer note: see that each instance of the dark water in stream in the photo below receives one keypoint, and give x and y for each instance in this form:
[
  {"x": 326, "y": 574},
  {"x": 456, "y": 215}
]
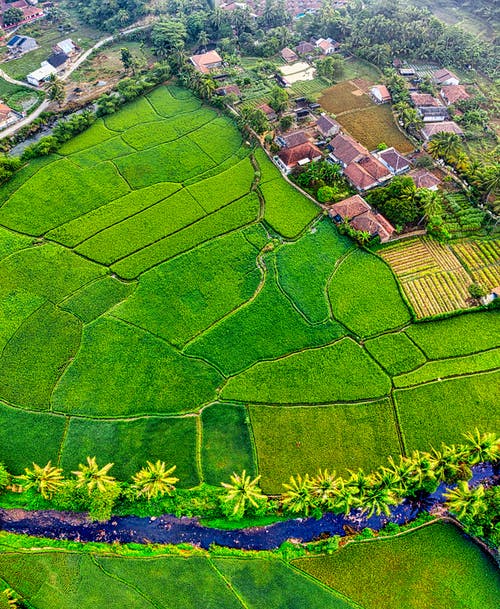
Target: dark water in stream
[{"x": 169, "y": 529}]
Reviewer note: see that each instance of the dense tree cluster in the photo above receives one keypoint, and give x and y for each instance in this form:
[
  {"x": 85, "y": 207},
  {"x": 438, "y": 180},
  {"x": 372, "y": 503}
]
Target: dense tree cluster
[{"x": 112, "y": 14}]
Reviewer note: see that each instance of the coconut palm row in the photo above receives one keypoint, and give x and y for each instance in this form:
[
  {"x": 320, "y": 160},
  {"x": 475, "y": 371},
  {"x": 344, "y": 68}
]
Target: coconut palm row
[{"x": 374, "y": 493}]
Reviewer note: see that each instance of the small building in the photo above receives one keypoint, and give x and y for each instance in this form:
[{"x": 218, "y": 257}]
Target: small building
[
  {"x": 407, "y": 72},
  {"x": 57, "y": 61},
  {"x": 39, "y": 76},
  {"x": 228, "y": 90},
  {"x": 268, "y": 111},
  {"x": 288, "y": 55},
  {"x": 301, "y": 114},
  {"x": 451, "y": 94},
  {"x": 375, "y": 224},
  {"x": 327, "y": 126},
  {"x": 205, "y": 62},
  {"x": 424, "y": 179},
  {"x": 345, "y": 149},
  {"x": 424, "y": 100},
  {"x": 433, "y": 129},
  {"x": 7, "y": 116},
  {"x": 66, "y": 46},
  {"x": 433, "y": 114},
  {"x": 445, "y": 77},
  {"x": 395, "y": 162},
  {"x": 290, "y": 140},
  {"x": 288, "y": 158},
  {"x": 380, "y": 94},
  {"x": 348, "y": 209},
  {"x": 304, "y": 48},
  {"x": 327, "y": 46},
  {"x": 19, "y": 45},
  {"x": 367, "y": 173},
  {"x": 493, "y": 295}
]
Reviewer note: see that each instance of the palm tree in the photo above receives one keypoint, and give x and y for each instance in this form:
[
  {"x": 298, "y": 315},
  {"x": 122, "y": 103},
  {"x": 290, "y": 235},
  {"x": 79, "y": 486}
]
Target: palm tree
[
  {"x": 325, "y": 487},
  {"x": 154, "y": 480},
  {"x": 45, "y": 480},
  {"x": 482, "y": 447},
  {"x": 298, "y": 496},
  {"x": 359, "y": 482},
  {"x": 55, "y": 89},
  {"x": 445, "y": 145},
  {"x": 243, "y": 490},
  {"x": 465, "y": 501},
  {"x": 346, "y": 498},
  {"x": 8, "y": 599},
  {"x": 206, "y": 87},
  {"x": 431, "y": 203},
  {"x": 376, "y": 499},
  {"x": 92, "y": 477},
  {"x": 447, "y": 463},
  {"x": 203, "y": 39}
]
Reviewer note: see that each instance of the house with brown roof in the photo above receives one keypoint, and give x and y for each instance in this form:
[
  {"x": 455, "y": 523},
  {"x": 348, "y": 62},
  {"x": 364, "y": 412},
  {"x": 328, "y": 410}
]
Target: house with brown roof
[
  {"x": 288, "y": 55},
  {"x": 395, "y": 162},
  {"x": 327, "y": 126},
  {"x": 7, "y": 116},
  {"x": 290, "y": 140},
  {"x": 288, "y": 158},
  {"x": 445, "y": 77},
  {"x": 451, "y": 94},
  {"x": 345, "y": 149},
  {"x": 445, "y": 127},
  {"x": 375, "y": 224},
  {"x": 380, "y": 94},
  {"x": 228, "y": 90},
  {"x": 424, "y": 179},
  {"x": 348, "y": 209},
  {"x": 367, "y": 173},
  {"x": 304, "y": 48},
  {"x": 424, "y": 100},
  {"x": 327, "y": 46},
  {"x": 268, "y": 111},
  {"x": 205, "y": 62}
]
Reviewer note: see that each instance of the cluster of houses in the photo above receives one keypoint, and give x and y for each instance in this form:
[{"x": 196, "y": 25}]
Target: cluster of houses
[
  {"x": 30, "y": 9},
  {"x": 434, "y": 111},
  {"x": 58, "y": 60}
]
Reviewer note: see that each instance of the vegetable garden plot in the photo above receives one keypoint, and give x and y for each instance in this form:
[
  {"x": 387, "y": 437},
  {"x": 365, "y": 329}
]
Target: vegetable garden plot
[
  {"x": 179, "y": 299},
  {"x": 395, "y": 353},
  {"x": 340, "y": 372},
  {"x": 234, "y": 216},
  {"x": 132, "y": 234},
  {"x": 60, "y": 192},
  {"x": 441, "y": 411},
  {"x": 364, "y": 295},
  {"x": 121, "y": 370},
  {"x": 424, "y": 568},
  {"x": 302, "y": 440},
  {"x": 130, "y": 443}
]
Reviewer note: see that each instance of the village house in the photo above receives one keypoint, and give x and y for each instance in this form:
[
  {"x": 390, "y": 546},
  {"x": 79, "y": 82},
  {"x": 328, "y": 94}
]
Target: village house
[
  {"x": 327, "y": 46},
  {"x": 424, "y": 100},
  {"x": 288, "y": 55},
  {"x": 228, "y": 90},
  {"x": 345, "y": 149},
  {"x": 451, "y": 94},
  {"x": 290, "y": 140},
  {"x": 7, "y": 116},
  {"x": 66, "y": 46},
  {"x": 268, "y": 111},
  {"x": 57, "y": 61},
  {"x": 433, "y": 114},
  {"x": 19, "y": 45},
  {"x": 446, "y": 127},
  {"x": 288, "y": 158},
  {"x": 30, "y": 12},
  {"x": 445, "y": 77},
  {"x": 304, "y": 48},
  {"x": 39, "y": 76},
  {"x": 407, "y": 72},
  {"x": 327, "y": 126},
  {"x": 424, "y": 179},
  {"x": 205, "y": 62},
  {"x": 362, "y": 217},
  {"x": 395, "y": 162},
  {"x": 380, "y": 94}
]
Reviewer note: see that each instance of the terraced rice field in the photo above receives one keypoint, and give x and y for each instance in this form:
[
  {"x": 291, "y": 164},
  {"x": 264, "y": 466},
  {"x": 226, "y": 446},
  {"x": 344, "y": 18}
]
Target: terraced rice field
[
  {"x": 436, "y": 277},
  {"x": 160, "y": 299}
]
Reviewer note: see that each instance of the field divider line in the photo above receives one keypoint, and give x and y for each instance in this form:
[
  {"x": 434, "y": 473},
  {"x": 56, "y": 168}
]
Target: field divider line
[
  {"x": 63, "y": 440},
  {"x": 199, "y": 447},
  {"x": 112, "y": 161},
  {"x": 228, "y": 584},
  {"x": 126, "y": 583},
  {"x": 24, "y": 321},
  {"x": 449, "y": 377},
  {"x": 397, "y": 424},
  {"x": 308, "y": 405},
  {"x": 253, "y": 443},
  {"x": 354, "y": 604}
]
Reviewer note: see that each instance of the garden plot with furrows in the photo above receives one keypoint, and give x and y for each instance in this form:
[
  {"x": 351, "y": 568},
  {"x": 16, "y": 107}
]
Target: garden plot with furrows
[{"x": 166, "y": 294}]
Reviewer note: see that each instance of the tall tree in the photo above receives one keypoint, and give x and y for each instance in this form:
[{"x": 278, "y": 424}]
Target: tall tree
[
  {"x": 45, "y": 480},
  {"x": 241, "y": 491},
  {"x": 154, "y": 480},
  {"x": 94, "y": 478}
]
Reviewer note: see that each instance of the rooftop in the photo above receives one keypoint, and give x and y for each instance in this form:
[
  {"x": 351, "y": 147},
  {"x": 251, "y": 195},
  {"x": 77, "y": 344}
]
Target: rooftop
[
  {"x": 292, "y": 156},
  {"x": 347, "y": 149},
  {"x": 349, "y": 208},
  {"x": 424, "y": 99}
]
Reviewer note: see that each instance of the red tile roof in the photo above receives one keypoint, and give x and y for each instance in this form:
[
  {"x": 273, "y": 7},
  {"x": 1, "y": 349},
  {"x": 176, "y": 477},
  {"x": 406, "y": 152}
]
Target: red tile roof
[
  {"x": 205, "y": 61},
  {"x": 444, "y": 127},
  {"x": 375, "y": 224},
  {"x": 288, "y": 54},
  {"x": 424, "y": 100},
  {"x": 423, "y": 178},
  {"x": 444, "y": 75},
  {"x": 394, "y": 159},
  {"x": 453, "y": 93},
  {"x": 349, "y": 208},
  {"x": 4, "y": 111},
  {"x": 347, "y": 149},
  {"x": 383, "y": 92},
  {"x": 292, "y": 156}
]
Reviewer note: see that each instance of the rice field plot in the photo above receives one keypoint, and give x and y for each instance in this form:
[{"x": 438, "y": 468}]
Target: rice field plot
[
  {"x": 24, "y": 174},
  {"x": 430, "y": 567},
  {"x": 219, "y": 139},
  {"x": 130, "y": 443},
  {"x": 396, "y": 353},
  {"x": 268, "y": 170},
  {"x": 302, "y": 440},
  {"x": 12, "y": 242},
  {"x": 59, "y": 192},
  {"x": 16, "y": 305},
  {"x": 98, "y": 134},
  {"x": 482, "y": 260},
  {"x": 433, "y": 278},
  {"x": 373, "y": 126},
  {"x": 441, "y": 411},
  {"x": 344, "y": 97},
  {"x": 286, "y": 210},
  {"x": 226, "y": 442},
  {"x": 170, "y": 101},
  {"x": 365, "y": 297},
  {"x": 206, "y": 284},
  {"x": 107, "y": 151},
  {"x": 134, "y": 113},
  {"x": 121, "y": 370},
  {"x": 304, "y": 267},
  {"x": 234, "y": 216}
]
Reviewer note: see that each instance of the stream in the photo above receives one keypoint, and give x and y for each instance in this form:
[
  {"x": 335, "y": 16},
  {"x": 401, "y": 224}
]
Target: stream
[{"x": 172, "y": 530}]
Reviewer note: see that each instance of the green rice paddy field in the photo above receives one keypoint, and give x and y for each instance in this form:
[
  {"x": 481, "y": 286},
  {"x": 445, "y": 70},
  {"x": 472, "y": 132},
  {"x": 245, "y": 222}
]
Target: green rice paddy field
[
  {"x": 161, "y": 300},
  {"x": 431, "y": 567}
]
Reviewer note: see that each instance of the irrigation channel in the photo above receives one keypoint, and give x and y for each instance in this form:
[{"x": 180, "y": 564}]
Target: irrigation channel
[{"x": 172, "y": 530}]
